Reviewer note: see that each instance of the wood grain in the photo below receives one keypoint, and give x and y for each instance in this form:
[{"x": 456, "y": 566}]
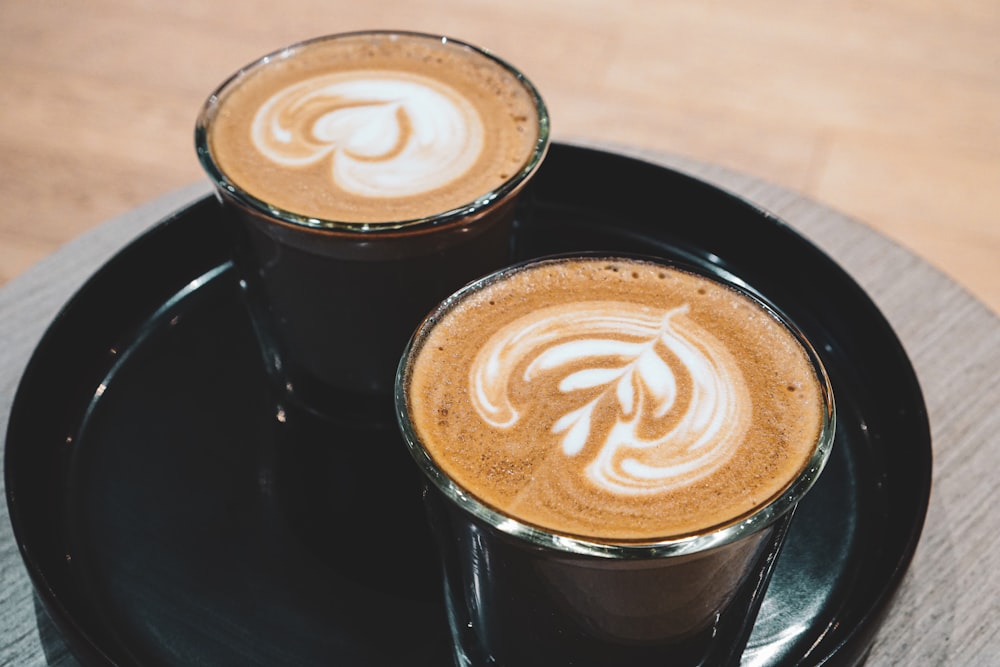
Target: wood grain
[{"x": 888, "y": 112}]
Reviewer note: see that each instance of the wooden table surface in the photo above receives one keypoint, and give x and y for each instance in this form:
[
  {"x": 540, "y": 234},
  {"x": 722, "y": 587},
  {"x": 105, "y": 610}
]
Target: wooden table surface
[{"x": 887, "y": 111}]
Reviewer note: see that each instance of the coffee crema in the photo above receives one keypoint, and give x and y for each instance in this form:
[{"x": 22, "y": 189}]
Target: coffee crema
[
  {"x": 375, "y": 128},
  {"x": 614, "y": 399}
]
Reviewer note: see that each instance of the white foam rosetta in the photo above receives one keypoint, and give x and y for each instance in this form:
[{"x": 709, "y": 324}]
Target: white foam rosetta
[
  {"x": 387, "y": 134},
  {"x": 637, "y": 359}
]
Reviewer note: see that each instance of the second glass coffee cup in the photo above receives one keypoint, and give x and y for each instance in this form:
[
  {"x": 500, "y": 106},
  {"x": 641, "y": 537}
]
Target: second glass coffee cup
[
  {"x": 365, "y": 176},
  {"x": 613, "y": 448}
]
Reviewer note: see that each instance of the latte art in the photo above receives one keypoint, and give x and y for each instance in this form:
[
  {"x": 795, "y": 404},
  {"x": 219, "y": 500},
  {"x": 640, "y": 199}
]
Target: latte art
[
  {"x": 384, "y": 134},
  {"x": 616, "y": 399},
  {"x": 662, "y": 436},
  {"x": 363, "y": 129}
]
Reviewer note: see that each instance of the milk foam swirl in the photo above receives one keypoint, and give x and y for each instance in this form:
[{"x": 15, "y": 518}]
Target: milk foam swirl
[
  {"x": 387, "y": 134},
  {"x": 682, "y": 406}
]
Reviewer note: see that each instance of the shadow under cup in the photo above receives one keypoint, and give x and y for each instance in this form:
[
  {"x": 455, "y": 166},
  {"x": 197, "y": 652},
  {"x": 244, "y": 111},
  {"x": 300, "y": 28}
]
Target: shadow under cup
[
  {"x": 519, "y": 596},
  {"x": 333, "y": 302}
]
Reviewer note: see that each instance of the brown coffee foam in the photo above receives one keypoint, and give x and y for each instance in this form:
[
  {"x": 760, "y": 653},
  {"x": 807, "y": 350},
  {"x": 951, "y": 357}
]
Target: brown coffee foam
[
  {"x": 505, "y": 105},
  {"x": 523, "y": 472}
]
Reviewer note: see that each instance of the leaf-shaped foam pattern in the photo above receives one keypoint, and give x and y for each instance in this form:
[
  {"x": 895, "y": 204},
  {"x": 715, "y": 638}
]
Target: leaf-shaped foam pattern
[{"x": 633, "y": 359}]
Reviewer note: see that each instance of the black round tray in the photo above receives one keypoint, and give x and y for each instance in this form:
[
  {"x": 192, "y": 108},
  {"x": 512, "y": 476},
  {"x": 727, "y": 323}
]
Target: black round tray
[{"x": 168, "y": 514}]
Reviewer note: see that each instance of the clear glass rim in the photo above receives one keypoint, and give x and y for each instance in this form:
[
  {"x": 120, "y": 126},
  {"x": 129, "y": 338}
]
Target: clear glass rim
[
  {"x": 457, "y": 214},
  {"x": 760, "y": 518}
]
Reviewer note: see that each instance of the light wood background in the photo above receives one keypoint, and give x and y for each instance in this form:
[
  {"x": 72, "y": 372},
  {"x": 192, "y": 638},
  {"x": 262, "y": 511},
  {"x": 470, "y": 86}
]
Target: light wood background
[{"x": 888, "y": 111}]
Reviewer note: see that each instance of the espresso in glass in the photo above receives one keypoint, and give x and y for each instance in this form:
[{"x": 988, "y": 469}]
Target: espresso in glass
[
  {"x": 366, "y": 176},
  {"x": 613, "y": 448}
]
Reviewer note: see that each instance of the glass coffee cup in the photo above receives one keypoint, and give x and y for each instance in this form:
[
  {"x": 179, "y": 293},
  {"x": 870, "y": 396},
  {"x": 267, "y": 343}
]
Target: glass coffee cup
[
  {"x": 365, "y": 176},
  {"x": 613, "y": 448}
]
